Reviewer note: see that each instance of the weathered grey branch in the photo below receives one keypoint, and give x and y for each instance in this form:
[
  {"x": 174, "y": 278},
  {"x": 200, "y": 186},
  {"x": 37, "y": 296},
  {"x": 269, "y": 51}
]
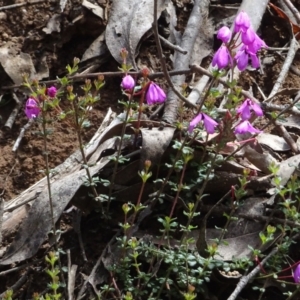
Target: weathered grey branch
[
  {"x": 181, "y": 61},
  {"x": 286, "y": 66},
  {"x": 11, "y": 119},
  {"x": 245, "y": 279}
]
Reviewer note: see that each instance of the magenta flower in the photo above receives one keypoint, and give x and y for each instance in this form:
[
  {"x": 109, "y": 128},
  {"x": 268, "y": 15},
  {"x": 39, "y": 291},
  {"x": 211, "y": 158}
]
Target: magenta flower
[
  {"x": 222, "y": 58},
  {"x": 242, "y": 22},
  {"x": 155, "y": 94},
  {"x": 224, "y": 34},
  {"x": 296, "y": 274},
  {"x": 257, "y": 44},
  {"x": 245, "y": 127},
  {"x": 245, "y": 107},
  {"x": 128, "y": 82},
  {"x": 248, "y": 36},
  {"x": 242, "y": 58},
  {"x": 32, "y": 109},
  {"x": 51, "y": 91},
  {"x": 209, "y": 123}
]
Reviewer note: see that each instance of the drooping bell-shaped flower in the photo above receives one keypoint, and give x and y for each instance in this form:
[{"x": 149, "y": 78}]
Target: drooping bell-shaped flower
[
  {"x": 245, "y": 127},
  {"x": 257, "y": 44},
  {"x": 244, "y": 109},
  {"x": 242, "y": 58},
  {"x": 32, "y": 109},
  {"x": 248, "y": 36},
  {"x": 51, "y": 91},
  {"x": 209, "y": 123},
  {"x": 224, "y": 34},
  {"x": 296, "y": 274},
  {"x": 195, "y": 122},
  {"x": 242, "y": 22},
  {"x": 222, "y": 58},
  {"x": 128, "y": 82},
  {"x": 155, "y": 94}
]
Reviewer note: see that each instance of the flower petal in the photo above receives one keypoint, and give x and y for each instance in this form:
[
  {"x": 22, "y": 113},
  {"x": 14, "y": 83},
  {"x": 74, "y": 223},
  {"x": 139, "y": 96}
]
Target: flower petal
[
  {"x": 245, "y": 127},
  {"x": 224, "y": 34},
  {"x": 209, "y": 123},
  {"x": 128, "y": 82},
  {"x": 296, "y": 274},
  {"x": 257, "y": 109},
  {"x": 195, "y": 122}
]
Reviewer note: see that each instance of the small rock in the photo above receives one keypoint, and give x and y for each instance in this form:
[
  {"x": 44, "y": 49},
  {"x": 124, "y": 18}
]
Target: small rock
[
  {"x": 3, "y": 15},
  {"x": 5, "y": 35}
]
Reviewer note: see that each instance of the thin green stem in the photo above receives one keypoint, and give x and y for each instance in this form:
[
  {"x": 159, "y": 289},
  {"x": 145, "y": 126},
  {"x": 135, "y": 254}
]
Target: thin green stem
[
  {"x": 111, "y": 186},
  {"x": 178, "y": 189},
  {"x": 46, "y": 156},
  {"x": 78, "y": 126},
  {"x": 138, "y": 202}
]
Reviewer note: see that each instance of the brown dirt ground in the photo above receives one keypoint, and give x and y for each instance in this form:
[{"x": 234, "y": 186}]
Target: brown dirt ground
[{"x": 24, "y": 25}]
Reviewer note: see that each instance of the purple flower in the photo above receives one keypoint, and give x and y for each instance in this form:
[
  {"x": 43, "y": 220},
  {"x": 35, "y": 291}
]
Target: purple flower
[
  {"x": 296, "y": 274},
  {"x": 222, "y": 58},
  {"x": 254, "y": 60},
  {"x": 257, "y": 44},
  {"x": 31, "y": 109},
  {"x": 248, "y": 36},
  {"x": 128, "y": 82},
  {"x": 242, "y": 58},
  {"x": 242, "y": 22},
  {"x": 51, "y": 91},
  {"x": 224, "y": 34},
  {"x": 155, "y": 94},
  {"x": 209, "y": 123},
  {"x": 245, "y": 127},
  {"x": 244, "y": 109}
]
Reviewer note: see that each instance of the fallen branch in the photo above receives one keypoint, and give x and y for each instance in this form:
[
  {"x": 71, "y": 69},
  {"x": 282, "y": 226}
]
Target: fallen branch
[
  {"x": 23, "y": 4},
  {"x": 182, "y": 61},
  {"x": 21, "y": 135},
  {"x": 285, "y": 68},
  {"x": 245, "y": 279},
  {"x": 169, "y": 44},
  {"x": 11, "y": 119},
  {"x": 82, "y": 77}
]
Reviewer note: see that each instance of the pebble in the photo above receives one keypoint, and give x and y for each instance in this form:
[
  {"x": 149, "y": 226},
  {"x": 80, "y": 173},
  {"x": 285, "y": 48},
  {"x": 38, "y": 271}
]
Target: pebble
[
  {"x": 4, "y": 35},
  {"x": 3, "y": 15}
]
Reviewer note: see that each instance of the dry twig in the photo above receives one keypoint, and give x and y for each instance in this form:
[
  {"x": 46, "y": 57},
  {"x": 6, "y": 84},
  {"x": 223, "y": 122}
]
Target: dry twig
[
  {"x": 245, "y": 279},
  {"x": 76, "y": 226},
  {"x": 181, "y": 61},
  {"x": 23, "y": 4},
  {"x": 71, "y": 276},
  {"x": 293, "y": 9},
  {"x": 11, "y": 119},
  {"x": 21, "y": 135},
  {"x": 285, "y": 68}
]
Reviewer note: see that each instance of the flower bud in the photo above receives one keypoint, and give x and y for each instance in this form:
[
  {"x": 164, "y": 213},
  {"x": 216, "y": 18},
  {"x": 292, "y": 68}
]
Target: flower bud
[
  {"x": 224, "y": 34},
  {"x": 242, "y": 22},
  {"x": 145, "y": 72},
  {"x": 128, "y": 82},
  {"x": 124, "y": 53},
  {"x": 76, "y": 61},
  {"x": 147, "y": 164},
  {"x": 222, "y": 58},
  {"x": 69, "y": 88},
  {"x": 51, "y": 91}
]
